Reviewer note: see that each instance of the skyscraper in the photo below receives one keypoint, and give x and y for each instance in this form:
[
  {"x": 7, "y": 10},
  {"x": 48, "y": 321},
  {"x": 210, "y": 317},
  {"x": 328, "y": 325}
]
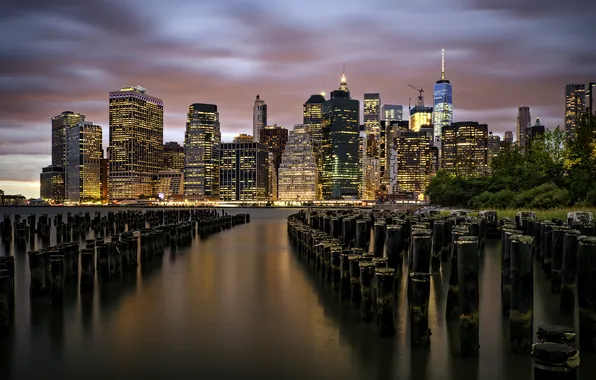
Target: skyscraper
[
  {"x": 389, "y": 132},
  {"x": 370, "y": 177},
  {"x": 340, "y": 144},
  {"x": 372, "y": 113},
  {"x": 312, "y": 117},
  {"x": 243, "y": 137},
  {"x": 465, "y": 149},
  {"x": 392, "y": 112},
  {"x": 420, "y": 115},
  {"x": 416, "y": 160},
  {"x": 83, "y": 162},
  {"x": 201, "y": 152},
  {"x": 508, "y": 137},
  {"x": 60, "y": 124},
  {"x": 575, "y": 104},
  {"x": 274, "y": 138},
  {"x": 259, "y": 118},
  {"x": 298, "y": 171},
  {"x": 244, "y": 171},
  {"x": 443, "y": 103},
  {"x": 173, "y": 156},
  {"x": 52, "y": 184},
  {"x": 523, "y": 122},
  {"x": 136, "y": 142},
  {"x": 493, "y": 148},
  {"x": 535, "y": 131}
]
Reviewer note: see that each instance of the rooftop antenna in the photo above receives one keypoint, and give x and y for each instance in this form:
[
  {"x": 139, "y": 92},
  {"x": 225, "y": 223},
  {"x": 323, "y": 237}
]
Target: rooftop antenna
[{"x": 443, "y": 64}]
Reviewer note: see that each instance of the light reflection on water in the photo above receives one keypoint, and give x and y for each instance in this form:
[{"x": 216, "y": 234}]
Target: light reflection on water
[{"x": 241, "y": 304}]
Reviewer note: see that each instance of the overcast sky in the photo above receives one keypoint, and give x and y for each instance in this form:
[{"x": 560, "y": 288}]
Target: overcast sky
[{"x": 68, "y": 54}]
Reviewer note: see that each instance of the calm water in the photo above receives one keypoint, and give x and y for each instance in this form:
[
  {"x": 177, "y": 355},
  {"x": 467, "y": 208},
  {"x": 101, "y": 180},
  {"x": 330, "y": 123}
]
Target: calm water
[{"x": 241, "y": 305}]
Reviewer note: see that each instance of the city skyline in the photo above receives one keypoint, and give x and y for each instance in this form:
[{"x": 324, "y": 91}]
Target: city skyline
[{"x": 289, "y": 60}]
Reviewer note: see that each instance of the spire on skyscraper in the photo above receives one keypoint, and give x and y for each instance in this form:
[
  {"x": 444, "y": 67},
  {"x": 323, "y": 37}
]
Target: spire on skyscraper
[
  {"x": 343, "y": 86},
  {"x": 443, "y": 64}
]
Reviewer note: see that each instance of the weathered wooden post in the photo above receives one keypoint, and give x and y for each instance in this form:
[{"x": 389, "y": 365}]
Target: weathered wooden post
[
  {"x": 437, "y": 245},
  {"x": 57, "y": 263},
  {"x": 569, "y": 272},
  {"x": 394, "y": 247},
  {"x": 4, "y": 302},
  {"x": 469, "y": 321},
  {"x": 555, "y": 361},
  {"x": 522, "y": 294},
  {"x": 547, "y": 253},
  {"x": 506, "y": 268},
  {"x": 103, "y": 261},
  {"x": 335, "y": 267},
  {"x": 344, "y": 267},
  {"x": 87, "y": 269},
  {"x": 419, "y": 330},
  {"x": 558, "y": 236},
  {"x": 452, "y": 307},
  {"x": 385, "y": 290},
  {"x": 586, "y": 293},
  {"x": 367, "y": 273},
  {"x": 7, "y": 262},
  {"x": 379, "y": 238},
  {"x": 37, "y": 286},
  {"x": 361, "y": 239},
  {"x": 421, "y": 252},
  {"x": 556, "y": 334},
  {"x": 355, "y": 294}
]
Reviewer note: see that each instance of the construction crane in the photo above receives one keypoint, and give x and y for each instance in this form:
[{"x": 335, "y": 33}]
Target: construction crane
[{"x": 420, "y": 97}]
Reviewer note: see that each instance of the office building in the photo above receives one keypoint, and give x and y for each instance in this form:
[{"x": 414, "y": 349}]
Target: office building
[
  {"x": 104, "y": 175},
  {"x": 60, "y": 124},
  {"x": 575, "y": 105},
  {"x": 523, "y": 122},
  {"x": 389, "y": 132},
  {"x": 420, "y": 115},
  {"x": 416, "y": 160},
  {"x": 508, "y": 137},
  {"x": 259, "y": 118},
  {"x": 169, "y": 184},
  {"x": 297, "y": 175},
  {"x": 312, "y": 117},
  {"x": 52, "y": 184},
  {"x": 136, "y": 143},
  {"x": 244, "y": 172},
  {"x": 493, "y": 148},
  {"x": 201, "y": 152},
  {"x": 340, "y": 144},
  {"x": 370, "y": 178},
  {"x": 443, "y": 104},
  {"x": 243, "y": 137},
  {"x": 83, "y": 162},
  {"x": 392, "y": 112},
  {"x": 173, "y": 156},
  {"x": 465, "y": 149},
  {"x": 532, "y": 133},
  {"x": 274, "y": 138},
  {"x": 372, "y": 114}
]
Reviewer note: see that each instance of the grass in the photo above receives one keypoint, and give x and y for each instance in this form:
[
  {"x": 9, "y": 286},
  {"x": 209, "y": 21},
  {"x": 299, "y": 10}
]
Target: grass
[{"x": 559, "y": 213}]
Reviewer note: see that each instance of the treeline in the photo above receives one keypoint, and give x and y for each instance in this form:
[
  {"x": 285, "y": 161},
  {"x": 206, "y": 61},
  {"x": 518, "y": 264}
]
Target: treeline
[{"x": 553, "y": 173}]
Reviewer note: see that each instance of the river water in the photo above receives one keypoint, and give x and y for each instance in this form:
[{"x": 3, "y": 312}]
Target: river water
[{"x": 241, "y": 304}]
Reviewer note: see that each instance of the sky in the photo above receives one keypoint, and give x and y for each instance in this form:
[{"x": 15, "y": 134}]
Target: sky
[{"x": 68, "y": 54}]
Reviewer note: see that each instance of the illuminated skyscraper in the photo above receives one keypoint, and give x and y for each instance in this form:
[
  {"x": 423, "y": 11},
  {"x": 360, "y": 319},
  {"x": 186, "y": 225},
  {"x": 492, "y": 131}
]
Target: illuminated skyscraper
[
  {"x": 416, "y": 160},
  {"x": 372, "y": 113},
  {"x": 370, "y": 178},
  {"x": 443, "y": 104},
  {"x": 419, "y": 114},
  {"x": 493, "y": 147},
  {"x": 201, "y": 151},
  {"x": 275, "y": 138},
  {"x": 523, "y": 122},
  {"x": 389, "y": 132},
  {"x": 244, "y": 172},
  {"x": 340, "y": 144},
  {"x": 259, "y": 118},
  {"x": 83, "y": 162},
  {"x": 575, "y": 104},
  {"x": 60, "y": 124},
  {"x": 243, "y": 137},
  {"x": 173, "y": 156},
  {"x": 392, "y": 112},
  {"x": 52, "y": 184},
  {"x": 136, "y": 143},
  {"x": 312, "y": 115},
  {"x": 298, "y": 171},
  {"x": 465, "y": 149},
  {"x": 169, "y": 184}
]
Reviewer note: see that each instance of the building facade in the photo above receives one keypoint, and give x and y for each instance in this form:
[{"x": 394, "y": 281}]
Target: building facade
[
  {"x": 389, "y": 132},
  {"x": 443, "y": 104},
  {"x": 52, "y": 184},
  {"x": 575, "y": 105},
  {"x": 508, "y": 137},
  {"x": 465, "y": 149},
  {"x": 372, "y": 113},
  {"x": 169, "y": 184},
  {"x": 274, "y": 137},
  {"x": 420, "y": 116},
  {"x": 173, "y": 156},
  {"x": 535, "y": 131},
  {"x": 105, "y": 175},
  {"x": 298, "y": 170},
  {"x": 60, "y": 124},
  {"x": 136, "y": 143},
  {"x": 83, "y": 162},
  {"x": 340, "y": 144},
  {"x": 312, "y": 117},
  {"x": 244, "y": 171},
  {"x": 243, "y": 137},
  {"x": 416, "y": 160},
  {"x": 370, "y": 177},
  {"x": 493, "y": 148},
  {"x": 201, "y": 152},
  {"x": 523, "y": 122},
  {"x": 392, "y": 112},
  {"x": 259, "y": 118}
]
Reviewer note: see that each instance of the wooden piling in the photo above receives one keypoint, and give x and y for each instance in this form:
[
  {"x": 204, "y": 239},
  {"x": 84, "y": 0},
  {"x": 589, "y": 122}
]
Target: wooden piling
[
  {"x": 586, "y": 293},
  {"x": 469, "y": 321},
  {"x": 385, "y": 304},
  {"x": 57, "y": 268},
  {"x": 367, "y": 273},
  {"x": 522, "y": 294},
  {"x": 556, "y": 334},
  {"x": 558, "y": 236},
  {"x": 437, "y": 245},
  {"x": 355, "y": 295},
  {"x": 379, "y": 238},
  {"x": 555, "y": 361},
  {"x": 37, "y": 286},
  {"x": 569, "y": 272},
  {"x": 419, "y": 329}
]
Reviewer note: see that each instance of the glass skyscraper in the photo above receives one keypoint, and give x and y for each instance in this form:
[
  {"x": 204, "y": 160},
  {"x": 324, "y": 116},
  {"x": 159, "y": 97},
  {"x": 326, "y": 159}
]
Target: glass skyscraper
[
  {"x": 443, "y": 104},
  {"x": 83, "y": 162},
  {"x": 298, "y": 169}
]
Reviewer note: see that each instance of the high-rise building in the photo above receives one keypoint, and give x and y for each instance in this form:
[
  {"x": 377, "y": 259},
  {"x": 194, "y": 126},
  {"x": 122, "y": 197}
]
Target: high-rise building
[
  {"x": 274, "y": 137},
  {"x": 362, "y": 146},
  {"x": 243, "y": 137},
  {"x": 201, "y": 152},
  {"x": 259, "y": 118},
  {"x": 535, "y": 131},
  {"x": 465, "y": 149},
  {"x": 523, "y": 122},
  {"x": 590, "y": 94},
  {"x": 575, "y": 105},
  {"x": 508, "y": 137},
  {"x": 52, "y": 184},
  {"x": 420, "y": 115},
  {"x": 340, "y": 144},
  {"x": 136, "y": 142},
  {"x": 312, "y": 117},
  {"x": 416, "y": 160},
  {"x": 493, "y": 148},
  {"x": 244, "y": 172},
  {"x": 298, "y": 171},
  {"x": 83, "y": 162},
  {"x": 169, "y": 184},
  {"x": 443, "y": 104},
  {"x": 60, "y": 124},
  {"x": 392, "y": 112},
  {"x": 370, "y": 177},
  {"x": 104, "y": 175},
  {"x": 173, "y": 156},
  {"x": 389, "y": 132},
  {"x": 372, "y": 113}
]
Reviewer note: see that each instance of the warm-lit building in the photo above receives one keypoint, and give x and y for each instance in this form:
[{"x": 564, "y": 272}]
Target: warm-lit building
[
  {"x": 136, "y": 143},
  {"x": 298, "y": 171},
  {"x": 389, "y": 132},
  {"x": 392, "y": 112},
  {"x": 52, "y": 184},
  {"x": 104, "y": 175},
  {"x": 244, "y": 172},
  {"x": 173, "y": 156},
  {"x": 493, "y": 148},
  {"x": 259, "y": 118},
  {"x": 416, "y": 160},
  {"x": 60, "y": 124},
  {"x": 201, "y": 152},
  {"x": 340, "y": 144},
  {"x": 523, "y": 122},
  {"x": 372, "y": 114},
  {"x": 465, "y": 149},
  {"x": 420, "y": 116},
  {"x": 169, "y": 184},
  {"x": 243, "y": 137},
  {"x": 274, "y": 138},
  {"x": 83, "y": 162},
  {"x": 443, "y": 104},
  {"x": 312, "y": 117},
  {"x": 575, "y": 105},
  {"x": 370, "y": 178}
]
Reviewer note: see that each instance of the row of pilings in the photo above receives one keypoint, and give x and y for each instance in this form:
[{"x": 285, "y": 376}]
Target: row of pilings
[
  {"x": 117, "y": 249},
  {"x": 361, "y": 254}
]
